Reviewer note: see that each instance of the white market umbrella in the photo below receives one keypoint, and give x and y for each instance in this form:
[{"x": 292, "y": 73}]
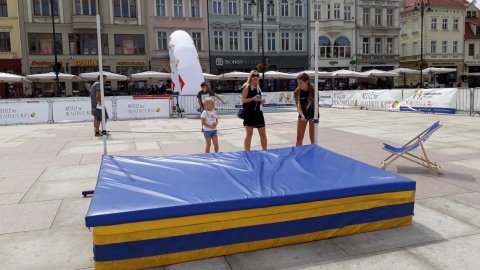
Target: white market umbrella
[
  {"x": 51, "y": 77},
  {"x": 149, "y": 75},
  {"x": 380, "y": 73},
  {"x": 404, "y": 72},
  {"x": 348, "y": 74},
  {"x": 12, "y": 78},
  {"x": 437, "y": 70},
  {"x": 93, "y": 76},
  {"x": 235, "y": 75},
  {"x": 279, "y": 75},
  {"x": 207, "y": 76},
  {"x": 321, "y": 74}
]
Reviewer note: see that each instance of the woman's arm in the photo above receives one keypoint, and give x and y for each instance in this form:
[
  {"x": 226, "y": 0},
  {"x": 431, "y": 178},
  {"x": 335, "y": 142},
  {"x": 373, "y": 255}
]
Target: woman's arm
[{"x": 245, "y": 95}]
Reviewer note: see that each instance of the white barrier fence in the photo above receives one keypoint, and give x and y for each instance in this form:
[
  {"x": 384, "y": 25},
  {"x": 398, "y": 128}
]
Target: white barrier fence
[{"x": 54, "y": 110}]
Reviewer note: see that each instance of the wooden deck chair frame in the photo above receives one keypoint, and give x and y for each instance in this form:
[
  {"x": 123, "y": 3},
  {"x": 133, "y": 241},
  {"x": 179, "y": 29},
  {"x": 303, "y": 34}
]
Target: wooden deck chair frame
[{"x": 404, "y": 151}]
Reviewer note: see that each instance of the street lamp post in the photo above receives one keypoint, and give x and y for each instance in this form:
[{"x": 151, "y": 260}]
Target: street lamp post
[
  {"x": 56, "y": 65},
  {"x": 262, "y": 6},
  {"x": 422, "y": 4}
]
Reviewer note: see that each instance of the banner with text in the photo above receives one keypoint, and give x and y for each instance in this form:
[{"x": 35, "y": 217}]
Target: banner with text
[
  {"x": 23, "y": 112},
  {"x": 434, "y": 100},
  {"x": 76, "y": 110},
  {"x": 142, "y": 108}
]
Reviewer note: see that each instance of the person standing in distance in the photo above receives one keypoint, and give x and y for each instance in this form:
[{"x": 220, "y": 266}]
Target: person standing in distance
[
  {"x": 304, "y": 101},
  {"x": 252, "y": 104},
  {"x": 96, "y": 99},
  {"x": 203, "y": 94}
]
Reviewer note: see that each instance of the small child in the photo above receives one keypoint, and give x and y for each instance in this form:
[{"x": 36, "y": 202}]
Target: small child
[{"x": 209, "y": 125}]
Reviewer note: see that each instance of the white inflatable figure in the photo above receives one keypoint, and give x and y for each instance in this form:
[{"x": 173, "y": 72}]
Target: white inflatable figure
[{"x": 186, "y": 69}]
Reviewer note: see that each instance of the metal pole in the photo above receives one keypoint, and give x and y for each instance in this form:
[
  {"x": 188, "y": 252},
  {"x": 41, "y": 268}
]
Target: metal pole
[
  {"x": 421, "y": 45},
  {"x": 55, "y": 66},
  {"x": 315, "y": 103},
  {"x": 263, "y": 47},
  {"x": 102, "y": 91}
]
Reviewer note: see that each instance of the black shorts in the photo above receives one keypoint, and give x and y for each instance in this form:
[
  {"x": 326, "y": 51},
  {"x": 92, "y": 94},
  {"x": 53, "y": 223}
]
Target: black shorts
[{"x": 98, "y": 114}]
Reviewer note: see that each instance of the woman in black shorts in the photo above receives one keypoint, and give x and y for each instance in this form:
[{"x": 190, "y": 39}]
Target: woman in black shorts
[
  {"x": 252, "y": 104},
  {"x": 304, "y": 101}
]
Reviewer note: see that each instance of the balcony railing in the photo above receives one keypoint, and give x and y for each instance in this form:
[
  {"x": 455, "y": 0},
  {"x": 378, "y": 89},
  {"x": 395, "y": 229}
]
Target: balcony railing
[{"x": 391, "y": 57}]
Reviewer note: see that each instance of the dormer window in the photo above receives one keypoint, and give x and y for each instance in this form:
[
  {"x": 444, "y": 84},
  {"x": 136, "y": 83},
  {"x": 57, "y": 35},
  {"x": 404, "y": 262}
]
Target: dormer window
[{"x": 471, "y": 14}]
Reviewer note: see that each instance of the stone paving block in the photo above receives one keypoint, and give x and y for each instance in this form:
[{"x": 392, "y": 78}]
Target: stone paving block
[
  {"x": 455, "y": 209},
  {"x": 218, "y": 263},
  {"x": 16, "y": 184},
  {"x": 472, "y": 199},
  {"x": 428, "y": 226},
  {"x": 459, "y": 253},
  {"x": 59, "y": 248},
  {"x": 36, "y": 161},
  {"x": 428, "y": 188},
  {"x": 11, "y": 198},
  {"x": 146, "y": 145},
  {"x": 472, "y": 163},
  {"x": 72, "y": 212},
  {"x": 27, "y": 216},
  {"x": 70, "y": 172},
  {"x": 286, "y": 256},
  {"x": 59, "y": 189},
  {"x": 394, "y": 259}
]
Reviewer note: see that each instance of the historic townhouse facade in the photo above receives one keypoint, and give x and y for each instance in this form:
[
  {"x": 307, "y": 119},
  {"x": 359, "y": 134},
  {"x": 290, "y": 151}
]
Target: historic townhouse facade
[
  {"x": 124, "y": 38},
  {"x": 472, "y": 41},
  {"x": 10, "y": 44},
  {"x": 236, "y": 35},
  {"x": 166, "y": 17},
  {"x": 443, "y": 37}
]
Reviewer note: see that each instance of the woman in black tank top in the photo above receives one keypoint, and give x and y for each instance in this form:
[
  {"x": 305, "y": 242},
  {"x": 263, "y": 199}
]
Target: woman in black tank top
[
  {"x": 304, "y": 101},
  {"x": 252, "y": 104}
]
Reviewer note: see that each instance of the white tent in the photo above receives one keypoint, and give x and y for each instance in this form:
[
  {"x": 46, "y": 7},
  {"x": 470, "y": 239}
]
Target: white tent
[
  {"x": 349, "y": 74},
  {"x": 93, "y": 76},
  {"x": 321, "y": 74},
  {"x": 404, "y": 72},
  {"x": 380, "y": 73},
  {"x": 207, "y": 76},
  {"x": 51, "y": 77},
  {"x": 235, "y": 75},
  {"x": 148, "y": 75},
  {"x": 12, "y": 78},
  {"x": 438, "y": 70},
  {"x": 279, "y": 75}
]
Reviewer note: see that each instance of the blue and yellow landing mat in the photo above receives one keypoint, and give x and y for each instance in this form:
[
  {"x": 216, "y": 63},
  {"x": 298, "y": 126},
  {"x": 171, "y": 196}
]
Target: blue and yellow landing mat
[{"x": 154, "y": 211}]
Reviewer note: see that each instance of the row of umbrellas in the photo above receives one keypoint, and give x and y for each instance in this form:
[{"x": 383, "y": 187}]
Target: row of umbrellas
[{"x": 236, "y": 75}]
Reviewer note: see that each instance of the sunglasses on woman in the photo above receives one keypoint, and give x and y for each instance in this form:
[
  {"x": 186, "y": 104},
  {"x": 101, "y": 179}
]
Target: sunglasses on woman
[{"x": 255, "y": 75}]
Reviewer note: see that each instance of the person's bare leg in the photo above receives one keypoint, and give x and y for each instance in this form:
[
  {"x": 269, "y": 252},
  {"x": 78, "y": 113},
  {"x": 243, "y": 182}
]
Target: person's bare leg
[
  {"x": 301, "y": 126},
  {"x": 263, "y": 137},
  {"x": 215, "y": 144},
  {"x": 311, "y": 130},
  {"x": 208, "y": 143},
  {"x": 96, "y": 125},
  {"x": 248, "y": 138}
]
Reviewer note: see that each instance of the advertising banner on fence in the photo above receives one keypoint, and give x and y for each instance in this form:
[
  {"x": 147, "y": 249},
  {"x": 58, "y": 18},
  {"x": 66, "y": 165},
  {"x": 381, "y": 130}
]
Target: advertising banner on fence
[
  {"x": 379, "y": 99},
  {"x": 23, "y": 112},
  {"x": 325, "y": 98},
  {"x": 273, "y": 99},
  {"x": 76, "y": 110},
  {"x": 142, "y": 108},
  {"x": 434, "y": 100},
  {"x": 343, "y": 99}
]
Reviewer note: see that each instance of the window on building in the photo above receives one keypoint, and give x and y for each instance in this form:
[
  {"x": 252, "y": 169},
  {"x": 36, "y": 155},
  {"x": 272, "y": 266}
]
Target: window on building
[
  {"x": 218, "y": 40},
  {"x": 247, "y": 8},
  {"x": 248, "y": 38},
  {"x": 471, "y": 14},
  {"x": 233, "y": 36},
  {"x": 366, "y": 16},
  {"x": 378, "y": 46},
  {"x": 42, "y": 43},
  {"x": 177, "y": 8},
  {"x": 455, "y": 24},
  {"x": 162, "y": 41},
  {"x": 378, "y": 16},
  {"x": 160, "y": 8},
  {"x": 415, "y": 48},
  {"x": 3, "y": 8},
  {"x": 284, "y": 8},
  {"x": 403, "y": 28},
  {"x": 389, "y": 45},
  {"x": 341, "y": 48},
  {"x": 86, "y": 44},
  {"x": 325, "y": 47},
  {"x": 271, "y": 41},
  {"x": 5, "y": 45},
  {"x": 271, "y": 11},
  {"x": 298, "y": 41},
  {"x": 444, "y": 24},
  {"x": 444, "y": 46},
  {"x": 317, "y": 12},
  {"x": 433, "y": 46},
  {"x": 129, "y": 44},
  {"x": 298, "y": 9},
  {"x": 125, "y": 9},
  {"x": 217, "y": 7},
  {"x": 414, "y": 26},
  {"x": 347, "y": 13},
  {"x": 197, "y": 40},
  {"x": 366, "y": 45},
  {"x": 477, "y": 30},
  {"x": 336, "y": 11},
  {"x": 85, "y": 7},
  {"x": 232, "y": 7},
  {"x": 285, "y": 41},
  {"x": 43, "y": 8},
  {"x": 471, "y": 49},
  {"x": 328, "y": 11},
  {"x": 434, "y": 24},
  {"x": 404, "y": 49},
  {"x": 390, "y": 17},
  {"x": 195, "y": 8},
  {"x": 455, "y": 47}
]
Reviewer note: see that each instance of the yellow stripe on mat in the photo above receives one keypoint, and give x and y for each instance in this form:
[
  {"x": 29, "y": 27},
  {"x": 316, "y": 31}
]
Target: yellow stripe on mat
[
  {"x": 174, "y": 258},
  {"x": 268, "y": 217}
]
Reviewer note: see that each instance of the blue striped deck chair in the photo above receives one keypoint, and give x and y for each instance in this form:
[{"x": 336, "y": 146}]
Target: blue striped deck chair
[{"x": 405, "y": 151}]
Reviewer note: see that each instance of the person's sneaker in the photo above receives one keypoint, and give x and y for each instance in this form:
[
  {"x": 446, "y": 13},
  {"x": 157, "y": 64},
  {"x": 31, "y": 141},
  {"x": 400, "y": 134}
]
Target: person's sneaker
[{"x": 98, "y": 134}]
